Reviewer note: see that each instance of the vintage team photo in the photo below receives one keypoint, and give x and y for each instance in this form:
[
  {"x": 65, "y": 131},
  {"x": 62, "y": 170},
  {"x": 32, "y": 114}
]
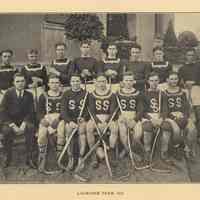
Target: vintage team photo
[{"x": 100, "y": 98}]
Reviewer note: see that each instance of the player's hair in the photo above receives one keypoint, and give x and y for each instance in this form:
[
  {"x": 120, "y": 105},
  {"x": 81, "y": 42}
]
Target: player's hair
[
  {"x": 100, "y": 74},
  {"x": 157, "y": 48},
  {"x": 158, "y": 37},
  {"x": 128, "y": 73},
  {"x": 85, "y": 42},
  {"x": 18, "y": 74},
  {"x": 136, "y": 46},
  {"x": 112, "y": 44},
  {"x": 60, "y": 44},
  {"x": 152, "y": 74},
  {"x": 75, "y": 75},
  {"x": 53, "y": 76},
  {"x": 33, "y": 51},
  {"x": 6, "y": 51},
  {"x": 173, "y": 73}
]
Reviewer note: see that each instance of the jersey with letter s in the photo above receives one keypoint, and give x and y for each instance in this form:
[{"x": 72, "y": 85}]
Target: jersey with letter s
[
  {"x": 71, "y": 105},
  {"x": 133, "y": 101},
  {"x": 177, "y": 102}
]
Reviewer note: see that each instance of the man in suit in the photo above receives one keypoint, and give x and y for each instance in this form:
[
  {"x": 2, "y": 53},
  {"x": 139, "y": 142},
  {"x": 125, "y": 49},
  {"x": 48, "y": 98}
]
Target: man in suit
[{"x": 17, "y": 117}]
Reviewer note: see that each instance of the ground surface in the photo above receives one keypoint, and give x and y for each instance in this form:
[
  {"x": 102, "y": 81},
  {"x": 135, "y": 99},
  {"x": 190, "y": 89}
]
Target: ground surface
[{"x": 181, "y": 172}]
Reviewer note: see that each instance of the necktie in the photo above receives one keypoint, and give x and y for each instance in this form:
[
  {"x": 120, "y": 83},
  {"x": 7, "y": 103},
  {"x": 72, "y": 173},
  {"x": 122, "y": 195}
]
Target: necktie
[{"x": 20, "y": 95}]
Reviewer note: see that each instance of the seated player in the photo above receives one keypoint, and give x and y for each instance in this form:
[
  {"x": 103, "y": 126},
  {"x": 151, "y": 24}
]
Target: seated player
[
  {"x": 71, "y": 106},
  {"x": 153, "y": 113},
  {"x": 102, "y": 104},
  {"x": 177, "y": 125},
  {"x": 17, "y": 116},
  {"x": 138, "y": 67},
  {"x": 113, "y": 66},
  {"x": 160, "y": 66},
  {"x": 62, "y": 66},
  {"x": 35, "y": 73},
  {"x": 86, "y": 65},
  {"x": 49, "y": 107},
  {"x": 131, "y": 103}
]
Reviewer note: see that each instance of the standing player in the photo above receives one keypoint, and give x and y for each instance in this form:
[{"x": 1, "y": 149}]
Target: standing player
[
  {"x": 131, "y": 103},
  {"x": 62, "y": 66},
  {"x": 86, "y": 65},
  {"x": 112, "y": 65},
  {"x": 189, "y": 77},
  {"x": 49, "y": 108},
  {"x": 102, "y": 104},
  {"x": 153, "y": 112},
  {"x": 35, "y": 73},
  {"x": 177, "y": 125},
  {"x": 7, "y": 71},
  {"x": 160, "y": 66},
  {"x": 71, "y": 105},
  {"x": 139, "y": 68}
]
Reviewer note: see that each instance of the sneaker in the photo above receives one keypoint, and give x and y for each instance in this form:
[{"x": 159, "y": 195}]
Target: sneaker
[{"x": 80, "y": 177}]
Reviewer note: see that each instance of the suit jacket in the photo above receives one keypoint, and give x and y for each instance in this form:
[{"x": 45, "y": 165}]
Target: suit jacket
[{"x": 15, "y": 110}]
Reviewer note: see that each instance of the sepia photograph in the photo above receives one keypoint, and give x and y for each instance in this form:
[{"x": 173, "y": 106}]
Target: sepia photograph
[{"x": 99, "y": 98}]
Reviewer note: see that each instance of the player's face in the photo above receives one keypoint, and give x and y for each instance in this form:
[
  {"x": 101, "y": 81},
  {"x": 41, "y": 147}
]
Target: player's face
[
  {"x": 135, "y": 54},
  {"x": 19, "y": 82},
  {"x": 112, "y": 51},
  {"x": 75, "y": 83},
  {"x": 153, "y": 82},
  {"x": 190, "y": 56},
  {"x": 33, "y": 58},
  {"x": 128, "y": 82},
  {"x": 60, "y": 52},
  {"x": 6, "y": 57},
  {"x": 159, "y": 55},
  {"x": 173, "y": 80},
  {"x": 54, "y": 84},
  {"x": 101, "y": 83},
  {"x": 85, "y": 49}
]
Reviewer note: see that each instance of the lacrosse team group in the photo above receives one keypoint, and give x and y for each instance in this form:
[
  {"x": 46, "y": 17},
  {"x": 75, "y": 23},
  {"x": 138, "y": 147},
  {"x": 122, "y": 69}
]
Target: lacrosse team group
[{"x": 98, "y": 112}]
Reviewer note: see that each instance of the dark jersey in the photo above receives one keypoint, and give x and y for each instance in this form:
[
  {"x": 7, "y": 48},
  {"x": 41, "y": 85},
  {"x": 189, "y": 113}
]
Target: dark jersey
[
  {"x": 35, "y": 70},
  {"x": 88, "y": 63},
  {"x": 6, "y": 76},
  {"x": 71, "y": 105},
  {"x": 116, "y": 65},
  {"x": 141, "y": 70},
  {"x": 162, "y": 69},
  {"x": 176, "y": 102},
  {"x": 154, "y": 102},
  {"x": 49, "y": 104},
  {"x": 190, "y": 72},
  {"x": 102, "y": 104},
  {"x": 66, "y": 68},
  {"x": 132, "y": 102}
]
